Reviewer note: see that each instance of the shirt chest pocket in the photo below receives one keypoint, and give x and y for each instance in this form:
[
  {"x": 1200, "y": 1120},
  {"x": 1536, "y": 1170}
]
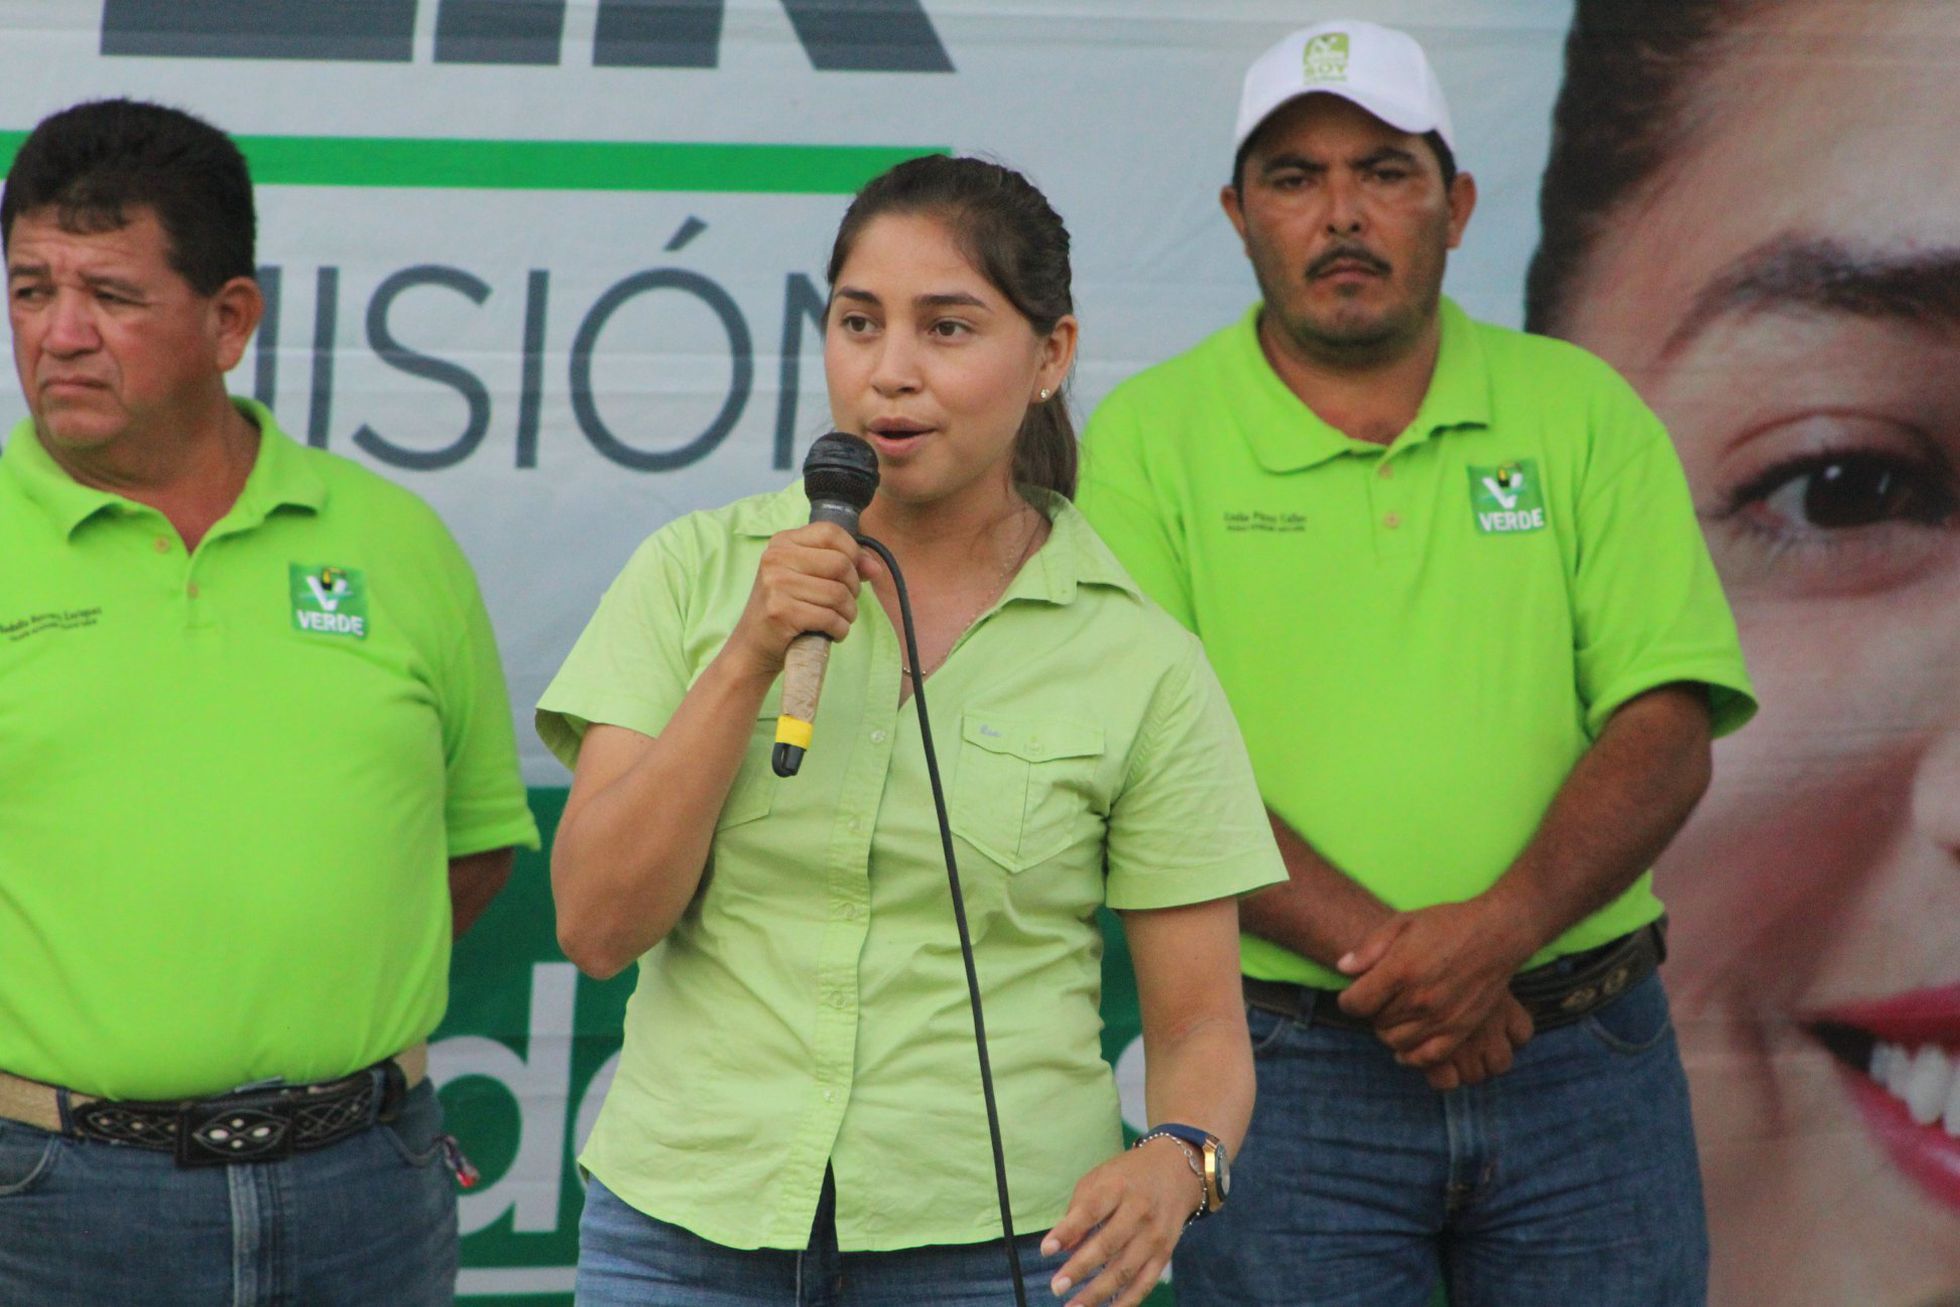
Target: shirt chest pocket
[
  {"x": 1025, "y": 790},
  {"x": 754, "y": 790}
]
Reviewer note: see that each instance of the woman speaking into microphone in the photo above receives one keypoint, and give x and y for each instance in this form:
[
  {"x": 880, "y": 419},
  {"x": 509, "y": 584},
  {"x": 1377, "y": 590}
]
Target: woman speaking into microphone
[{"x": 797, "y": 1117}]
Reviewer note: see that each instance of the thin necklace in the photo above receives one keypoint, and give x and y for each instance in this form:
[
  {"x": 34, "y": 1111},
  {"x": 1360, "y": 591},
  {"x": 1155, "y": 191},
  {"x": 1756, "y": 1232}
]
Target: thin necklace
[{"x": 999, "y": 589}]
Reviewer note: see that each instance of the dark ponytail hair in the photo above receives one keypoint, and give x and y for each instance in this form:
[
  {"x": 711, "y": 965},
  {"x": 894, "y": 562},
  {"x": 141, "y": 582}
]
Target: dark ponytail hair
[{"x": 1015, "y": 240}]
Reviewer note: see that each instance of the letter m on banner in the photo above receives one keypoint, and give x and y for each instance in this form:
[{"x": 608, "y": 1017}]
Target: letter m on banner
[{"x": 839, "y": 35}]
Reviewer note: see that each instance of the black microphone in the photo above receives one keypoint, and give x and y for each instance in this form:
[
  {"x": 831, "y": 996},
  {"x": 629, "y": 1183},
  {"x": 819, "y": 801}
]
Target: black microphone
[{"x": 840, "y": 474}]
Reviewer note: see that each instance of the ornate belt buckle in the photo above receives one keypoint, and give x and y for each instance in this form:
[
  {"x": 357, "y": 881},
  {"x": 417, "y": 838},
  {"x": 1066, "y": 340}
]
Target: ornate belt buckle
[
  {"x": 111, "y": 1121},
  {"x": 1616, "y": 980},
  {"x": 241, "y": 1128}
]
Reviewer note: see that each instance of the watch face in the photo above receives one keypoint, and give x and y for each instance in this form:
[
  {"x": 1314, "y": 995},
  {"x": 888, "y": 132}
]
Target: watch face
[{"x": 1223, "y": 1164}]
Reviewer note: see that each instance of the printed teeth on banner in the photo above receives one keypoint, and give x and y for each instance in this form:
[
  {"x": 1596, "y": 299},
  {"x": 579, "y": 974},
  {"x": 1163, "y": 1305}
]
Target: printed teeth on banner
[{"x": 1921, "y": 1078}]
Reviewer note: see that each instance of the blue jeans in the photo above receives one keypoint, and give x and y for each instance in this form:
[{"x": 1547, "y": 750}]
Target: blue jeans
[
  {"x": 1571, "y": 1178},
  {"x": 369, "y": 1220},
  {"x": 629, "y": 1259}
]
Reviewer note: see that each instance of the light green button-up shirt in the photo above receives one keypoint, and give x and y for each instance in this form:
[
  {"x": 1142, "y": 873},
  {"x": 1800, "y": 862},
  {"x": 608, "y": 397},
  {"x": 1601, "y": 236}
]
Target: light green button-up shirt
[{"x": 810, "y": 1007}]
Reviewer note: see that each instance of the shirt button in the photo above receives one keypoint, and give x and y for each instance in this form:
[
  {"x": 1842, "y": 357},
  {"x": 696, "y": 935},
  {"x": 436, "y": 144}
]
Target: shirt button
[
  {"x": 877, "y": 737},
  {"x": 163, "y": 544},
  {"x": 1388, "y": 470},
  {"x": 191, "y": 589},
  {"x": 829, "y": 1095},
  {"x": 1392, "y": 521}
]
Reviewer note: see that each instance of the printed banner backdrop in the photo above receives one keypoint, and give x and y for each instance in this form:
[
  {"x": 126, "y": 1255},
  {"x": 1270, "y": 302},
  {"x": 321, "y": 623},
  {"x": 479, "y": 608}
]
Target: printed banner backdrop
[{"x": 557, "y": 267}]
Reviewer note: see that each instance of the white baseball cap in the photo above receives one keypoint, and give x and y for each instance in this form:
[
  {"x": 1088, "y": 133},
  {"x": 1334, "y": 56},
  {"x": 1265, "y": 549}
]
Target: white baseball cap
[{"x": 1382, "y": 70}]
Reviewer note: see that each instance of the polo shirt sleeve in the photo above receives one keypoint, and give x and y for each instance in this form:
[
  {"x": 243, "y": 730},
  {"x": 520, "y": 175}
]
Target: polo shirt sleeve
[
  {"x": 484, "y": 804},
  {"x": 629, "y": 667},
  {"x": 1647, "y": 603},
  {"x": 1189, "y": 824},
  {"x": 1126, "y": 510}
]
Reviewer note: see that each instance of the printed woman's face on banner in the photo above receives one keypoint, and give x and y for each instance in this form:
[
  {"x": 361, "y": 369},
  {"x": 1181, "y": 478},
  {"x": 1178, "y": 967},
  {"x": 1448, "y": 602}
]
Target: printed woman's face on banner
[{"x": 1785, "y": 292}]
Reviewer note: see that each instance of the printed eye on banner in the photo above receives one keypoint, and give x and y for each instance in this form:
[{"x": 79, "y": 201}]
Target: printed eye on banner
[{"x": 864, "y": 36}]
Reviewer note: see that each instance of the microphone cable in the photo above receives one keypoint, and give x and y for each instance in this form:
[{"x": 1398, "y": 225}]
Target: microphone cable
[{"x": 959, "y": 916}]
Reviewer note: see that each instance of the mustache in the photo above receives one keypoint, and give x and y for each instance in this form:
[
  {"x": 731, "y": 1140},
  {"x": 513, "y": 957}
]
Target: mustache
[{"x": 1348, "y": 254}]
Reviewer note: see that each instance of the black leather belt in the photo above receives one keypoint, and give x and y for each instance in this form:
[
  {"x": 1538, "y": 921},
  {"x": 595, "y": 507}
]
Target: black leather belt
[
  {"x": 1556, "y": 994},
  {"x": 247, "y": 1125}
]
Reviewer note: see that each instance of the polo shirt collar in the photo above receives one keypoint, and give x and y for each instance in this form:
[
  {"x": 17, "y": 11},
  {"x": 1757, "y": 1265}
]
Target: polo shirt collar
[
  {"x": 67, "y": 502},
  {"x": 280, "y": 476},
  {"x": 1073, "y": 556},
  {"x": 1459, "y": 390},
  {"x": 1287, "y": 436}
]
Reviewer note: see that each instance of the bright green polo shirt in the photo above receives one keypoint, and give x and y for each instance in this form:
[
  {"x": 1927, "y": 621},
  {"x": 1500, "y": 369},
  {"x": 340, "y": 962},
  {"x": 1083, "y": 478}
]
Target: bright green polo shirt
[
  {"x": 1419, "y": 640},
  {"x": 233, "y": 778},
  {"x": 811, "y": 1005}
]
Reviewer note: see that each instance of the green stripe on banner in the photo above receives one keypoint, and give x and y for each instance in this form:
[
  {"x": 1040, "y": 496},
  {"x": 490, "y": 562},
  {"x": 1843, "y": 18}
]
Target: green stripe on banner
[{"x": 558, "y": 165}]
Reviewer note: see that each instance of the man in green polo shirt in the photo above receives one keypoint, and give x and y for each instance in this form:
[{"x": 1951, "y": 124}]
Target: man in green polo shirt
[
  {"x": 1451, "y": 580},
  {"x": 256, "y": 766}
]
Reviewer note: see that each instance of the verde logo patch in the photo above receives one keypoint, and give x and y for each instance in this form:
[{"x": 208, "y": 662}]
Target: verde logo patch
[
  {"x": 330, "y": 600},
  {"x": 1507, "y": 499},
  {"x": 1326, "y": 57}
]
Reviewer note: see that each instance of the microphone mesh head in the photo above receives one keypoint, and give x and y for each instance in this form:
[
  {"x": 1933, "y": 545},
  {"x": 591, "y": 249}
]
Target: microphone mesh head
[{"x": 841, "y": 468}]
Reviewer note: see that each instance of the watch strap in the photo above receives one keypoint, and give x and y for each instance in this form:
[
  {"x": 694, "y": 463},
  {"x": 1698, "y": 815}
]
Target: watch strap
[{"x": 1215, "y": 1160}]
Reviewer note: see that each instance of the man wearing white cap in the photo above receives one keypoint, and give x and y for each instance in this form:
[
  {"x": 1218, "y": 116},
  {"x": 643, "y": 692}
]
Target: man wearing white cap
[{"x": 1451, "y": 579}]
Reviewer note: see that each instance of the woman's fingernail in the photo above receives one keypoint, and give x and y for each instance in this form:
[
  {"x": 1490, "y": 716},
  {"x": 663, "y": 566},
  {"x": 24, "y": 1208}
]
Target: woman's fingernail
[
  {"x": 1050, "y": 1246},
  {"x": 1060, "y": 1285}
]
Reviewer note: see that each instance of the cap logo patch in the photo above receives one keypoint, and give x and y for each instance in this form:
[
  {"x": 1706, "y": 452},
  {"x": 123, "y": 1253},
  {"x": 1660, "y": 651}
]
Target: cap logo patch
[
  {"x": 329, "y": 600},
  {"x": 1507, "y": 499},
  {"x": 1326, "y": 57}
]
